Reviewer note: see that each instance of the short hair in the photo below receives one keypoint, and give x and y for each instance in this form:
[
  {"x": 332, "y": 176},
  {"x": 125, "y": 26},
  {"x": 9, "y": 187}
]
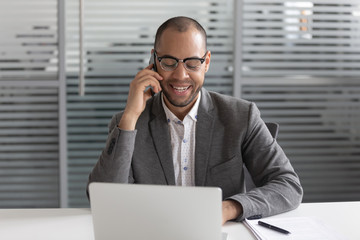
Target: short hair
[{"x": 180, "y": 24}]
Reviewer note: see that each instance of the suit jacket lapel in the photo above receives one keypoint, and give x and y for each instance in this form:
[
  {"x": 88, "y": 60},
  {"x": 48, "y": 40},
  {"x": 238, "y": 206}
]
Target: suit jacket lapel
[
  {"x": 204, "y": 130},
  {"x": 161, "y": 137}
]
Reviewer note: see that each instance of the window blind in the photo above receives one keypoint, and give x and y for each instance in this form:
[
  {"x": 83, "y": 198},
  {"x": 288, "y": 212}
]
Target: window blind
[
  {"x": 119, "y": 36},
  {"x": 300, "y": 63},
  {"x": 28, "y": 43},
  {"x": 28, "y": 104},
  {"x": 28, "y": 147},
  {"x": 310, "y": 38}
]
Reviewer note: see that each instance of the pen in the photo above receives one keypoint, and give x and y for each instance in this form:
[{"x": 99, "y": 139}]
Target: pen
[{"x": 272, "y": 227}]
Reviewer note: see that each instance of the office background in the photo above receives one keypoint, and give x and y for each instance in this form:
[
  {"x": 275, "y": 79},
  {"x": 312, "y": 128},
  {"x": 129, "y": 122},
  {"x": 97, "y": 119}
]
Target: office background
[{"x": 298, "y": 60}]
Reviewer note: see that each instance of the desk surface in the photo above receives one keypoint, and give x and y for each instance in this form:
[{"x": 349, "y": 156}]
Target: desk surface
[{"x": 49, "y": 224}]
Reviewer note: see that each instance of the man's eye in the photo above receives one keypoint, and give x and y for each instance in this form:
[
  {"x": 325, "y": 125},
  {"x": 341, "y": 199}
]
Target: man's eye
[
  {"x": 191, "y": 67},
  {"x": 168, "y": 62},
  {"x": 193, "y": 64}
]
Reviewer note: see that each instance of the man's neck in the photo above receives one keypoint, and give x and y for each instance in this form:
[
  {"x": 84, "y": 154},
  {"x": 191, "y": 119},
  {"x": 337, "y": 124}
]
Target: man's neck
[{"x": 180, "y": 112}]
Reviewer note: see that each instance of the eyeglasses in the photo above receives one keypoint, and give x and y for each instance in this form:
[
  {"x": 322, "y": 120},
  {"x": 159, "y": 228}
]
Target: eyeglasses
[{"x": 169, "y": 63}]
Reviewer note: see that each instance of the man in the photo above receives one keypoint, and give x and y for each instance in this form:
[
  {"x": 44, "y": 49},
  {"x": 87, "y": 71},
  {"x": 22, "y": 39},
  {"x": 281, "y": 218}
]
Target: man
[{"x": 185, "y": 135}]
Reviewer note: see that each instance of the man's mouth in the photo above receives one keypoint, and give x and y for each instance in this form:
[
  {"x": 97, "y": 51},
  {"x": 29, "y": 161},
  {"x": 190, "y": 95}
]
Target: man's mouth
[{"x": 180, "y": 89}]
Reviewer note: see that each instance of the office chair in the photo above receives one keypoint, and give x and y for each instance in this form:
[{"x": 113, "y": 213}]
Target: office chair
[{"x": 274, "y": 130}]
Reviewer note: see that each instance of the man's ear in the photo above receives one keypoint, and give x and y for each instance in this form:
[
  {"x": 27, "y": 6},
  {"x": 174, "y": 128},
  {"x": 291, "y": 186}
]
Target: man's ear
[{"x": 207, "y": 61}]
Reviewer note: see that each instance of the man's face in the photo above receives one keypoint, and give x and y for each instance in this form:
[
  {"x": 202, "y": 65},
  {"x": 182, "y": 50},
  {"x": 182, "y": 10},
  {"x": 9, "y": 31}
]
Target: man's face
[{"x": 180, "y": 86}]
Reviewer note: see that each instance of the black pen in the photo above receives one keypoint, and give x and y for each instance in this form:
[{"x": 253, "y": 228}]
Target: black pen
[{"x": 272, "y": 227}]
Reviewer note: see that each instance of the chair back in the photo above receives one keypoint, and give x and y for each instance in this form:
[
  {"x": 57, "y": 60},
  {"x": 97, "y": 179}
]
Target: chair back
[{"x": 273, "y": 128}]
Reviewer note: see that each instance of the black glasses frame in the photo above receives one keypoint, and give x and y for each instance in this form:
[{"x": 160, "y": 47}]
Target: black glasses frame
[{"x": 202, "y": 60}]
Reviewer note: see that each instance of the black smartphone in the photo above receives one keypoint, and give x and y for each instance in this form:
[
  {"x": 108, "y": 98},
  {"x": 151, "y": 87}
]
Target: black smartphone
[{"x": 152, "y": 61}]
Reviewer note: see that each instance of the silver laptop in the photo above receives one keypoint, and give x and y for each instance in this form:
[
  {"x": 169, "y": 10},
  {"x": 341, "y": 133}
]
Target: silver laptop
[{"x": 155, "y": 212}]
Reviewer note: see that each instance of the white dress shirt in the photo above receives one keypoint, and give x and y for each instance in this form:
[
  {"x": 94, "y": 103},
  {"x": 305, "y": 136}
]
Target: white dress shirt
[{"x": 183, "y": 144}]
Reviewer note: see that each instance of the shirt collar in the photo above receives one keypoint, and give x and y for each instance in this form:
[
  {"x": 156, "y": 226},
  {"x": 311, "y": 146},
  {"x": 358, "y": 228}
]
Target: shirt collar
[{"x": 192, "y": 113}]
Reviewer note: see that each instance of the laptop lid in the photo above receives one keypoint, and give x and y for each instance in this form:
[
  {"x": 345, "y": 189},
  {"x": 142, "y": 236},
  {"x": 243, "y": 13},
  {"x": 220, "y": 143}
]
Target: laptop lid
[{"x": 155, "y": 212}]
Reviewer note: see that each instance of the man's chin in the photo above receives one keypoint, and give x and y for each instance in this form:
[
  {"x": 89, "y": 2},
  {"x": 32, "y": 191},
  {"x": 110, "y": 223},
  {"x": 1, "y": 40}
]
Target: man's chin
[
  {"x": 180, "y": 104},
  {"x": 183, "y": 103}
]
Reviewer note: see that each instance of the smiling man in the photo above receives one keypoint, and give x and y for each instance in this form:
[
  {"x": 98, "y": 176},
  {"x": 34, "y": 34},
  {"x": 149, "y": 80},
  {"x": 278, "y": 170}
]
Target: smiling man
[{"x": 187, "y": 136}]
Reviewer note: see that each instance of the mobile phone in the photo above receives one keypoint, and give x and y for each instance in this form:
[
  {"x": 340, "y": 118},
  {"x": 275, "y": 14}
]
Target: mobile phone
[{"x": 152, "y": 61}]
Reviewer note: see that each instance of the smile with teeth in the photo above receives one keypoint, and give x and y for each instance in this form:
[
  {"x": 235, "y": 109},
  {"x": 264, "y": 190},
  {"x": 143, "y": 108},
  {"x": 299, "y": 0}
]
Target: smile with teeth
[{"x": 181, "y": 89}]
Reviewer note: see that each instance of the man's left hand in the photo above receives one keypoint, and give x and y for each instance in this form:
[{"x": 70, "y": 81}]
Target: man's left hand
[{"x": 230, "y": 210}]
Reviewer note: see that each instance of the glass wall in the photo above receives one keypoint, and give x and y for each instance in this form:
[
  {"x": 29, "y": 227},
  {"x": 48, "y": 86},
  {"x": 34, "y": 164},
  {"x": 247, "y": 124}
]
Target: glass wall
[{"x": 298, "y": 61}]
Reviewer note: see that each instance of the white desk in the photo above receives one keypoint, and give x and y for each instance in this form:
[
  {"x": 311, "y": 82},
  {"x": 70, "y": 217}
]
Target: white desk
[
  {"x": 340, "y": 216},
  {"x": 49, "y": 224}
]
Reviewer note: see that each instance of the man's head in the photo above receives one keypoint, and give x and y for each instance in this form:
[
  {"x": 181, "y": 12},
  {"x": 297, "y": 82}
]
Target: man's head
[
  {"x": 181, "y": 38},
  {"x": 180, "y": 24}
]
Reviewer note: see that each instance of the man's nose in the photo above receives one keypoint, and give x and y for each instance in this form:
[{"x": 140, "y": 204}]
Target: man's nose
[{"x": 180, "y": 71}]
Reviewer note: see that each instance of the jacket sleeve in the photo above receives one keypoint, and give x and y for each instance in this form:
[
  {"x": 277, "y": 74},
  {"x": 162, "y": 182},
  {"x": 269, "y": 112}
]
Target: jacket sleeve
[
  {"x": 114, "y": 163},
  {"x": 278, "y": 187}
]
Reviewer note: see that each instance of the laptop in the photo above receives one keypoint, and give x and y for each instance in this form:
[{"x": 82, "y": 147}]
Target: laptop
[{"x": 155, "y": 212}]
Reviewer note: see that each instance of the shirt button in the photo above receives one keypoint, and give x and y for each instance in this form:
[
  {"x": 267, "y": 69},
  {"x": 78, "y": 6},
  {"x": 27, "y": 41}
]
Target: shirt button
[
  {"x": 185, "y": 168},
  {"x": 184, "y": 140}
]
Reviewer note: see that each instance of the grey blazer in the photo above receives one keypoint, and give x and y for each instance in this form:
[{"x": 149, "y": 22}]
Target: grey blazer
[{"x": 229, "y": 135}]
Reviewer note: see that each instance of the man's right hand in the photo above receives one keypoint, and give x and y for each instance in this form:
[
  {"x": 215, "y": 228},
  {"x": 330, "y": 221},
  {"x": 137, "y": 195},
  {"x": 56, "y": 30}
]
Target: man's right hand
[{"x": 137, "y": 97}]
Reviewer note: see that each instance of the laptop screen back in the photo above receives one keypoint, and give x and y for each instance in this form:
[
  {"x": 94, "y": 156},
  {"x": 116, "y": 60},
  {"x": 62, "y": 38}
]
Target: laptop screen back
[{"x": 155, "y": 212}]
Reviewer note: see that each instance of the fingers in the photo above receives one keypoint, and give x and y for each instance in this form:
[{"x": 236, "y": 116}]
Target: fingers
[
  {"x": 155, "y": 74},
  {"x": 147, "y": 77},
  {"x": 142, "y": 82},
  {"x": 150, "y": 66},
  {"x": 139, "y": 94}
]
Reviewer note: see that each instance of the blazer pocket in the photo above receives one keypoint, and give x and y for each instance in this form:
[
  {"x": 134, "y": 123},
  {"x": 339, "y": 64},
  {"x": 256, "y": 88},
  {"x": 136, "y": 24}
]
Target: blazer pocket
[{"x": 227, "y": 176}]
